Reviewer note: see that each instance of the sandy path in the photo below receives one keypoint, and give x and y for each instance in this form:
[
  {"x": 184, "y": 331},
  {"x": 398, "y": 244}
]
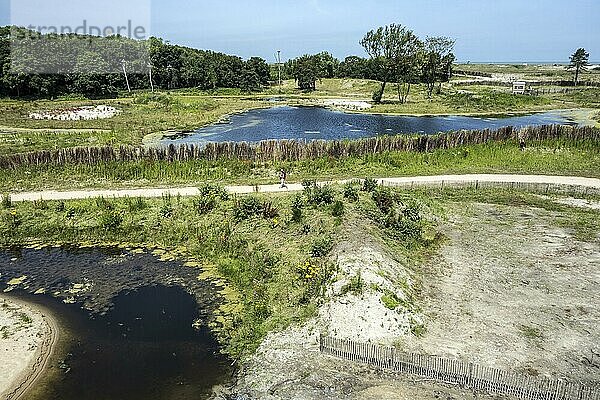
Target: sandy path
[
  {"x": 541, "y": 181},
  {"x": 25, "y": 349}
]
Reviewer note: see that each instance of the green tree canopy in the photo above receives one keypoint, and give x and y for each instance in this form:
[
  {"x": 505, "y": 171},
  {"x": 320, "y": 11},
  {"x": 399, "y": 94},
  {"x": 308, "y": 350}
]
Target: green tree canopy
[{"x": 579, "y": 62}]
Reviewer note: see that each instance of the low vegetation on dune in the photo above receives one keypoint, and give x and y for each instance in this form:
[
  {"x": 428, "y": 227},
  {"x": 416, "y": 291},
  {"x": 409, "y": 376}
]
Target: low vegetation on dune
[{"x": 272, "y": 251}]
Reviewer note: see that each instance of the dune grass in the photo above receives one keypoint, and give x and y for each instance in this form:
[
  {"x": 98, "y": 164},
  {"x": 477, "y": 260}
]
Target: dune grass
[{"x": 549, "y": 157}]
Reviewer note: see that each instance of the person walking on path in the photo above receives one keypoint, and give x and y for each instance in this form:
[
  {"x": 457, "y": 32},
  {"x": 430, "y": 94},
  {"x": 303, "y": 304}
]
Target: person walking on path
[{"x": 282, "y": 178}]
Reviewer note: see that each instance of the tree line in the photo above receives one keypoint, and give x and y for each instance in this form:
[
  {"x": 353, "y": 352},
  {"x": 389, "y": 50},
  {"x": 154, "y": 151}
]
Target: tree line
[
  {"x": 79, "y": 67},
  {"x": 396, "y": 55}
]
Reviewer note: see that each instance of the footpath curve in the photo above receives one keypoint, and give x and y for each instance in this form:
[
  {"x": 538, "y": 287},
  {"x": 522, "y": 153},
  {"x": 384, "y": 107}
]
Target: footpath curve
[{"x": 546, "y": 183}]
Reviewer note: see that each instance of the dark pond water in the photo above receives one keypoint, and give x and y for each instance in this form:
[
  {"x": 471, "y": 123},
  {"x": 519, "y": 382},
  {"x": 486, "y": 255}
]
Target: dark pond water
[
  {"x": 315, "y": 123},
  {"x": 142, "y": 346}
]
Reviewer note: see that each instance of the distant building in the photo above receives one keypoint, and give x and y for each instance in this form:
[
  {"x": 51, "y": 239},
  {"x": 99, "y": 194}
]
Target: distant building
[{"x": 520, "y": 87}]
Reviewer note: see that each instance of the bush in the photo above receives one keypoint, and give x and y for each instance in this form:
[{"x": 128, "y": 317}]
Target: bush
[
  {"x": 269, "y": 211},
  {"x": 319, "y": 195},
  {"x": 377, "y": 96},
  {"x": 156, "y": 99},
  {"x": 338, "y": 208},
  {"x": 204, "y": 204},
  {"x": 6, "y": 201},
  {"x": 166, "y": 209},
  {"x": 390, "y": 300},
  {"x": 321, "y": 247},
  {"x": 110, "y": 220},
  {"x": 403, "y": 226},
  {"x": 384, "y": 198},
  {"x": 212, "y": 190},
  {"x": 351, "y": 192},
  {"x": 369, "y": 185},
  {"x": 60, "y": 206},
  {"x": 136, "y": 204},
  {"x": 103, "y": 204},
  {"x": 40, "y": 204},
  {"x": 247, "y": 207},
  {"x": 297, "y": 205},
  {"x": 208, "y": 198}
]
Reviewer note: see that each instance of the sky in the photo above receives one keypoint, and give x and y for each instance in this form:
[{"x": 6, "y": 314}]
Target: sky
[{"x": 485, "y": 30}]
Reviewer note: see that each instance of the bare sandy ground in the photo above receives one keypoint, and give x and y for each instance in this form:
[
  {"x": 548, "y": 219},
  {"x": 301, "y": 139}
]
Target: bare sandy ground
[
  {"x": 509, "y": 289},
  {"x": 27, "y": 338},
  {"x": 514, "y": 290}
]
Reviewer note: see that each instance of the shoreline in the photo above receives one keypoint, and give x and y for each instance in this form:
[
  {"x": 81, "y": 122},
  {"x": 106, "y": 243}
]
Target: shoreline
[{"x": 34, "y": 371}]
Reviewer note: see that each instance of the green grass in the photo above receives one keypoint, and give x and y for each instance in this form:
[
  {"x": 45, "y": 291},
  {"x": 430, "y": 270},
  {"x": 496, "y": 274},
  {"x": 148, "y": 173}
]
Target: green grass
[
  {"x": 273, "y": 274},
  {"x": 146, "y": 115},
  {"x": 261, "y": 259},
  {"x": 530, "y": 72},
  {"x": 551, "y": 157},
  {"x": 136, "y": 120}
]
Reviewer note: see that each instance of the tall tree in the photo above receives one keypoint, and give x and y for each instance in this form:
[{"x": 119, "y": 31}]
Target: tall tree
[
  {"x": 438, "y": 59},
  {"x": 261, "y": 68},
  {"x": 249, "y": 80},
  {"x": 579, "y": 62},
  {"x": 377, "y": 45},
  {"x": 407, "y": 59},
  {"x": 306, "y": 71},
  {"x": 396, "y": 51}
]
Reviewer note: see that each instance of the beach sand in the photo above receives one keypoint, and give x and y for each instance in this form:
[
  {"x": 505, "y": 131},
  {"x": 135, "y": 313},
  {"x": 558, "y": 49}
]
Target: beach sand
[{"x": 27, "y": 338}]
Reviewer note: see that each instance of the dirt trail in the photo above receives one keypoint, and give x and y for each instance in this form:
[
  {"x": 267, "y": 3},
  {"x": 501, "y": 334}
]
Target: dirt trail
[{"x": 581, "y": 183}]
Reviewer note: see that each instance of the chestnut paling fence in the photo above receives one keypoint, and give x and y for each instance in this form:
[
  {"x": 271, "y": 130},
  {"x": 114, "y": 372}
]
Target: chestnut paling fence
[
  {"x": 291, "y": 150},
  {"x": 468, "y": 375}
]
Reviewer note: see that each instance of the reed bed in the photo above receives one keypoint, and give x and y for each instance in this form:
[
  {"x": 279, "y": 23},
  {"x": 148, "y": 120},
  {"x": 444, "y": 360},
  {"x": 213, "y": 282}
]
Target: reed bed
[{"x": 291, "y": 150}]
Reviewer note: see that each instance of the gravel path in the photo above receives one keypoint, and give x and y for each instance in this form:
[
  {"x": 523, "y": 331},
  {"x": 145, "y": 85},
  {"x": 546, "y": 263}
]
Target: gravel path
[{"x": 548, "y": 183}]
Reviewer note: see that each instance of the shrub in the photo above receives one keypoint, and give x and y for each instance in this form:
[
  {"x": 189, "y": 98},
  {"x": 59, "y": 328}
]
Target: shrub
[
  {"x": 412, "y": 212},
  {"x": 369, "y": 185},
  {"x": 212, "y": 190},
  {"x": 110, "y": 220},
  {"x": 103, "y": 204},
  {"x": 377, "y": 96},
  {"x": 247, "y": 207},
  {"x": 403, "y": 226},
  {"x": 319, "y": 195},
  {"x": 204, "y": 204},
  {"x": 60, "y": 206},
  {"x": 158, "y": 99},
  {"x": 321, "y": 247},
  {"x": 390, "y": 300},
  {"x": 384, "y": 198},
  {"x": 338, "y": 208},
  {"x": 269, "y": 211},
  {"x": 136, "y": 204},
  {"x": 297, "y": 205},
  {"x": 6, "y": 201},
  {"x": 356, "y": 286},
  {"x": 351, "y": 192},
  {"x": 166, "y": 209},
  {"x": 40, "y": 204}
]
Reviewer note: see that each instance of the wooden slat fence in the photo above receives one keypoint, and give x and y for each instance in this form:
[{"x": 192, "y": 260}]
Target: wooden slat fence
[
  {"x": 290, "y": 150},
  {"x": 468, "y": 375}
]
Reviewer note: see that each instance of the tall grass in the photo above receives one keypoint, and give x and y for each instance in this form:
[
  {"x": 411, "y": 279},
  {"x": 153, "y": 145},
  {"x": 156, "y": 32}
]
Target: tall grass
[{"x": 297, "y": 150}]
